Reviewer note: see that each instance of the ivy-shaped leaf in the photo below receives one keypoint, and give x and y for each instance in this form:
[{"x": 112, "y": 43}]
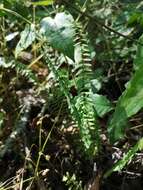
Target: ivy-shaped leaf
[{"x": 59, "y": 33}]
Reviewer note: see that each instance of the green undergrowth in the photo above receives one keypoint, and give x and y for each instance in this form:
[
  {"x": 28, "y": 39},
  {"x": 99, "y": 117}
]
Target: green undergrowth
[{"x": 70, "y": 92}]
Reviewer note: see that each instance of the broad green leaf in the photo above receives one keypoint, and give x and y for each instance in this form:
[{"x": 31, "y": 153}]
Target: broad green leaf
[
  {"x": 27, "y": 37},
  {"x": 128, "y": 104},
  {"x": 101, "y": 104},
  {"x": 43, "y": 3},
  {"x": 59, "y": 33},
  {"x": 126, "y": 158},
  {"x": 131, "y": 100}
]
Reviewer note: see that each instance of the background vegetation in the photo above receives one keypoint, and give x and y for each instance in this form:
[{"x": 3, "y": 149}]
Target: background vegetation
[{"x": 71, "y": 94}]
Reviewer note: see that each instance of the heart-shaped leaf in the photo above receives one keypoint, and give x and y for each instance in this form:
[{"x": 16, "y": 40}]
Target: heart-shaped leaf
[{"x": 59, "y": 32}]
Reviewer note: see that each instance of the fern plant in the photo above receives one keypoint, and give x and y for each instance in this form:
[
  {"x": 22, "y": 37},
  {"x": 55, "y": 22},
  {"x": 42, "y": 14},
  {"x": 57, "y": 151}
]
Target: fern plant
[
  {"x": 83, "y": 76},
  {"x": 67, "y": 38},
  {"x": 19, "y": 70},
  {"x": 81, "y": 105}
]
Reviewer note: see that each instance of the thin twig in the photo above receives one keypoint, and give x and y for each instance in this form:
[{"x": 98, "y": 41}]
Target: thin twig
[{"x": 136, "y": 127}]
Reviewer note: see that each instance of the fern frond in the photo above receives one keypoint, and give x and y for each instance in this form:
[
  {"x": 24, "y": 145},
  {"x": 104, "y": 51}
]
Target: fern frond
[
  {"x": 63, "y": 82},
  {"x": 83, "y": 76},
  {"x": 20, "y": 69},
  {"x": 53, "y": 105},
  {"x": 88, "y": 123},
  {"x": 83, "y": 69},
  {"x": 81, "y": 105}
]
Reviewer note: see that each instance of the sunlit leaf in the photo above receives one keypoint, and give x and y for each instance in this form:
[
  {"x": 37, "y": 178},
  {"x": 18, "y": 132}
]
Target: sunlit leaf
[
  {"x": 27, "y": 37},
  {"x": 43, "y": 3},
  {"x": 59, "y": 32},
  {"x": 11, "y": 36}
]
